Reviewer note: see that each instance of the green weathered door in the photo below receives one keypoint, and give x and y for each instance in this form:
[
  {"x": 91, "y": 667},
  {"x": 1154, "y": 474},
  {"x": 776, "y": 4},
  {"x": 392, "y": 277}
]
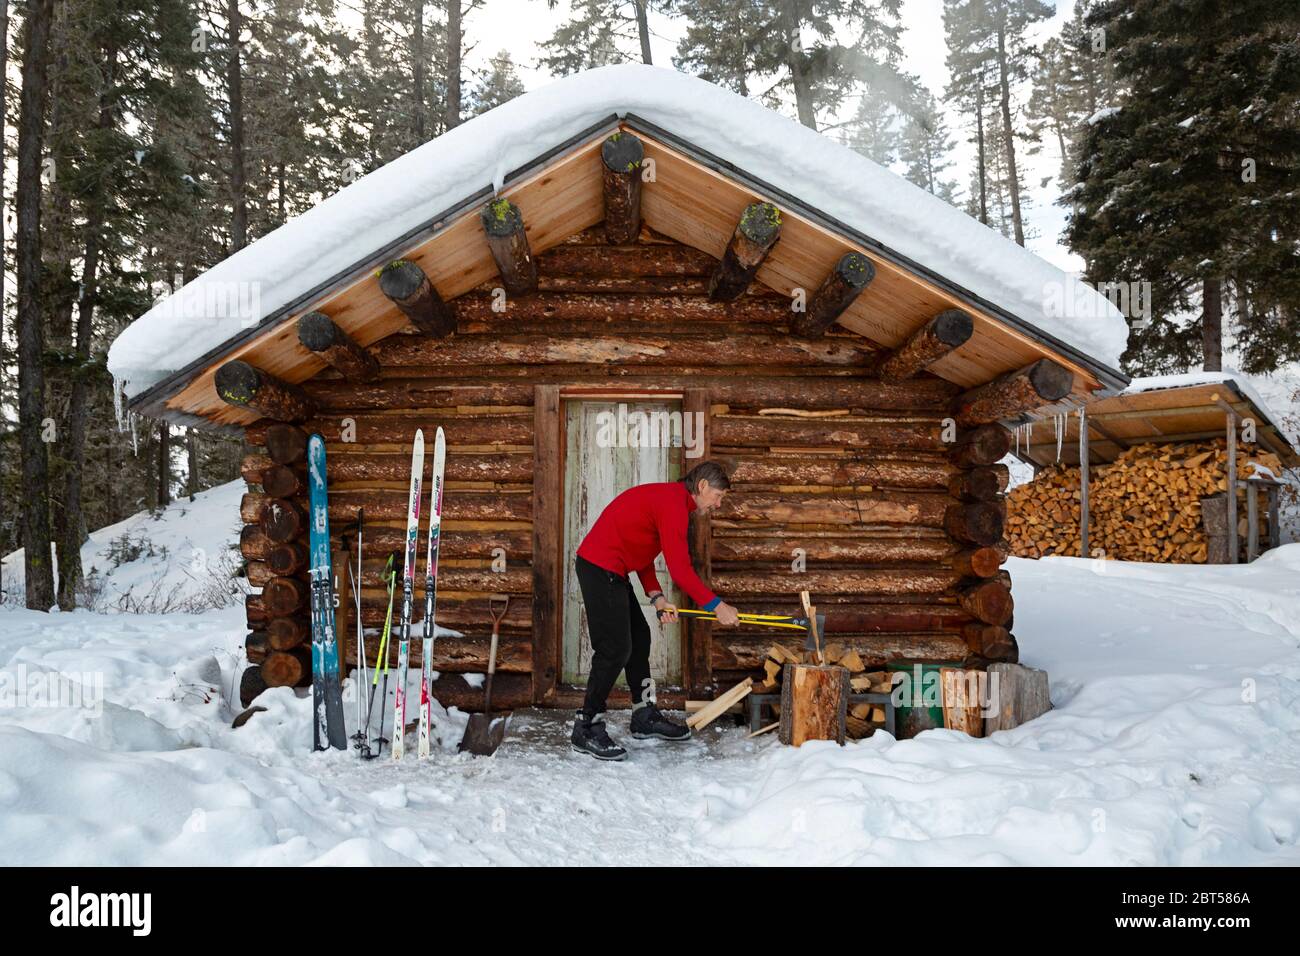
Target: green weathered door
[{"x": 596, "y": 470}]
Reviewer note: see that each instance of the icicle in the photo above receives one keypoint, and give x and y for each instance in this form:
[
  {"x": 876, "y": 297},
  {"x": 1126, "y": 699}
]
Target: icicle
[
  {"x": 119, "y": 387},
  {"x": 1059, "y": 421},
  {"x": 1082, "y": 431}
]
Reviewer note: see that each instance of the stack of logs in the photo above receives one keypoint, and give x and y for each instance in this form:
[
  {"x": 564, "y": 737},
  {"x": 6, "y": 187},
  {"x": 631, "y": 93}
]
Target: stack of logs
[
  {"x": 274, "y": 545},
  {"x": 863, "y": 719},
  {"x": 1145, "y": 506}
]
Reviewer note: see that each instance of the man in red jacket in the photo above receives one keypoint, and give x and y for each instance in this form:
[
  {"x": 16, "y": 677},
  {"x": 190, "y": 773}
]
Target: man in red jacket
[{"x": 627, "y": 537}]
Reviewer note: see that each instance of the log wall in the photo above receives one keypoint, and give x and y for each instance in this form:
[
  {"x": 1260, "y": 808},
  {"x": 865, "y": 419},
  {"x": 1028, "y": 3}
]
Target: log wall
[{"x": 843, "y": 484}]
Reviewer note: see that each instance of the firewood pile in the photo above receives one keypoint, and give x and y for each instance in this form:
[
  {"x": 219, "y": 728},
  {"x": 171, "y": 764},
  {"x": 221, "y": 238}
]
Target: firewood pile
[
  {"x": 862, "y": 719},
  {"x": 1145, "y": 506}
]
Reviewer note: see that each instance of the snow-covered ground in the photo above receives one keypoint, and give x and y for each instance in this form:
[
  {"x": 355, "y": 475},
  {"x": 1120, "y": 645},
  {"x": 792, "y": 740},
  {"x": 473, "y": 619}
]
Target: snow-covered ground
[
  {"x": 178, "y": 558},
  {"x": 1175, "y": 739}
]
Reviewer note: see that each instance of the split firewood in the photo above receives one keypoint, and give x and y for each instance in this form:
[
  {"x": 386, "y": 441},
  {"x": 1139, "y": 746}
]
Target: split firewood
[
  {"x": 851, "y": 661},
  {"x": 856, "y": 728},
  {"x": 1144, "y": 506},
  {"x": 706, "y": 715}
]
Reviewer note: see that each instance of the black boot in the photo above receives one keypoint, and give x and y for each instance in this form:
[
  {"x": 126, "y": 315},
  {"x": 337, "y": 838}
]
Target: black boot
[
  {"x": 649, "y": 721},
  {"x": 589, "y": 737}
]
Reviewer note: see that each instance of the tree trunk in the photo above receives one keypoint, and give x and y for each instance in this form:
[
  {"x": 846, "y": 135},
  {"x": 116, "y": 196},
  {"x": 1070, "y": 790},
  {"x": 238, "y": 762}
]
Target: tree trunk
[
  {"x": 31, "y": 335},
  {"x": 417, "y": 66},
  {"x": 982, "y": 157},
  {"x": 643, "y": 30},
  {"x": 73, "y": 531},
  {"x": 4, "y": 113},
  {"x": 164, "y": 465},
  {"x": 1012, "y": 179},
  {"x": 191, "y": 462},
  {"x": 1212, "y": 325},
  {"x": 798, "y": 67},
  {"x": 235, "y": 90},
  {"x": 452, "y": 118}
]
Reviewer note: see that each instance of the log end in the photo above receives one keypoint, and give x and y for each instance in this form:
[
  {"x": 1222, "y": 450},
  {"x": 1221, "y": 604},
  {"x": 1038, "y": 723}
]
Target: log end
[
  {"x": 856, "y": 270},
  {"x": 401, "y": 279},
  {"x": 1051, "y": 380},
  {"x": 953, "y": 327},
  {"x": 501, "y": 218},
  {"x": 317, "y": 331},
  {"x": 622, "y": 152},
  {"x": 760, "y": 223},
  {"x": 237, "y": 383}
]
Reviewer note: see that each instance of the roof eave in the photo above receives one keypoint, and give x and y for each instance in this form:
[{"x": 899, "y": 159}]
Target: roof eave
[{"x": 152, "y": 401}]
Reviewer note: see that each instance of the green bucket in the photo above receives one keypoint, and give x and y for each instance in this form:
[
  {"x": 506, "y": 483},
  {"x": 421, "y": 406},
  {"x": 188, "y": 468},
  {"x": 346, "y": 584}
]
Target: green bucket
[{"x": 920, "y": 697}]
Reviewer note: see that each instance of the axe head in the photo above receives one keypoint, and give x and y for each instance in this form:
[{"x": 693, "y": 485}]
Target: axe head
[{"x": 808, "y": 643}]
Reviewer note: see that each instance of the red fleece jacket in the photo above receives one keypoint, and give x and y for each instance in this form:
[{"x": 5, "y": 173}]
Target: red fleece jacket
[{"x": 636, "y": 526}]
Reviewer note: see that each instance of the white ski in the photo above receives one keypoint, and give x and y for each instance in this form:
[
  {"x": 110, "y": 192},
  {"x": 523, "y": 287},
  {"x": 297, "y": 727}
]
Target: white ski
[
  {"x": 431, "y": 592},
  {"x": 408, "y": 593}
]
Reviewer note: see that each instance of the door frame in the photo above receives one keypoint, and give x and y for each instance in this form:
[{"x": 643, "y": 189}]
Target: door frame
[{"x": 550, "y": 455}]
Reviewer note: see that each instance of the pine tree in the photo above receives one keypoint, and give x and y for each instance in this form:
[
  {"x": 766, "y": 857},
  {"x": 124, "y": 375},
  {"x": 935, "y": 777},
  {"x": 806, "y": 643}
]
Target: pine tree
[
  {"x": 926, "y": 146},
  {"x": 970, "y": 89},
  {"x": 498, "y": 84},
  {"x": 794, "y": 48},
  {"x": 601, "y": 33},
  {"x": 989, "y": 54},
  {"x": 1191, "y": 183},
  {"x": 875, "y": 130}
]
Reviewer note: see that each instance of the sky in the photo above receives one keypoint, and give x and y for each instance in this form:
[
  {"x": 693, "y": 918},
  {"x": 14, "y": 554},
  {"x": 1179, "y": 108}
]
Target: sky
[{"x": 519, "y": 25}]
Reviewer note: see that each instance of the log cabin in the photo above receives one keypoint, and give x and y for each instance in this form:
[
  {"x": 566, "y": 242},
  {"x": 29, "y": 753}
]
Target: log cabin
[{"x": 634, "y": 245}]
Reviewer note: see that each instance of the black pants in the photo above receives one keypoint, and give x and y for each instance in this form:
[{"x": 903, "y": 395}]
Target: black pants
[{"x": 620, "y": 636}]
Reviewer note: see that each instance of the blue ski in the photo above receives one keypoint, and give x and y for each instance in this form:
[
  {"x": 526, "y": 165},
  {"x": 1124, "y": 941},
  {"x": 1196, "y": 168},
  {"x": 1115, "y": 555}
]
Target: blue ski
[{"x": 327, "y": 695}]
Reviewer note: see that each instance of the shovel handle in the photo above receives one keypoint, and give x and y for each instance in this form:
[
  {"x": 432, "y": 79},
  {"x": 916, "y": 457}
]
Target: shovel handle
[{"x": 498, "y": 604}]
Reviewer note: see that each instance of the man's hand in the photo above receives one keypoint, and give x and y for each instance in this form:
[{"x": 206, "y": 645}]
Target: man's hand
[
  {"x": 667, "y": 612},
  {"x": 728, "y": 616}
]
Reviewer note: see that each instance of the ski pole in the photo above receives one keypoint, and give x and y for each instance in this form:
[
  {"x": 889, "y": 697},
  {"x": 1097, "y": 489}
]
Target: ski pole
[
  {"x": 390, "y": 572},
  {"x": 362, "y": 736}
]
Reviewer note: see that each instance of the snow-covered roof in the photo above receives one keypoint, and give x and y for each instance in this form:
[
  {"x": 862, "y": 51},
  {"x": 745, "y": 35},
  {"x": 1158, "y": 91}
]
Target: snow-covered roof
[
  {"x": 1245, "y": 387},
  {"x": 392, "y": 202}
]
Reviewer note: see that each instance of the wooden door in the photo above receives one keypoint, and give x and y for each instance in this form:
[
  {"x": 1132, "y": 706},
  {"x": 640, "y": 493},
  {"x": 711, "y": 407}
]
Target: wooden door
[{"x": 596, "y": 470}]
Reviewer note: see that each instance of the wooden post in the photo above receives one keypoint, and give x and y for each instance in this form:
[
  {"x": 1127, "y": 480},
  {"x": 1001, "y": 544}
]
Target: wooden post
[
  {"x": 1083, "y": 483},
  {"x": 698, "y": 633},
  {"x": 1232, "y": 487},
  {"x": 942, "y": 334},
  {"x": 755, "y": 235},
  {"x": 837, "y": 292},
  {"x": 503, "y": 225},
  {"x": 621, "y": 156},
  {"x": 1274, "y": 516},
  {"x": 1252, "y": 521},
  {"x": 548, "y": 522},
  {"x": 318, "y": 332},
  {"x": 244, "y": 386},
  {"x": 408, "y": 288}
]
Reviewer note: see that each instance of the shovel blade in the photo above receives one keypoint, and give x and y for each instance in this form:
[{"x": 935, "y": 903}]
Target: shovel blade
[{"x": 483, "y": 734}]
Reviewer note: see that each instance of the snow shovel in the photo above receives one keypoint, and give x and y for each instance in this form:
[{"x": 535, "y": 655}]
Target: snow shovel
[{"x": 483, "y": 733}]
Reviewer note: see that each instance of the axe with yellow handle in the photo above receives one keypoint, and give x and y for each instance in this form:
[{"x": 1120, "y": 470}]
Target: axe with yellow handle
[{"x": 762, "y": 620}]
